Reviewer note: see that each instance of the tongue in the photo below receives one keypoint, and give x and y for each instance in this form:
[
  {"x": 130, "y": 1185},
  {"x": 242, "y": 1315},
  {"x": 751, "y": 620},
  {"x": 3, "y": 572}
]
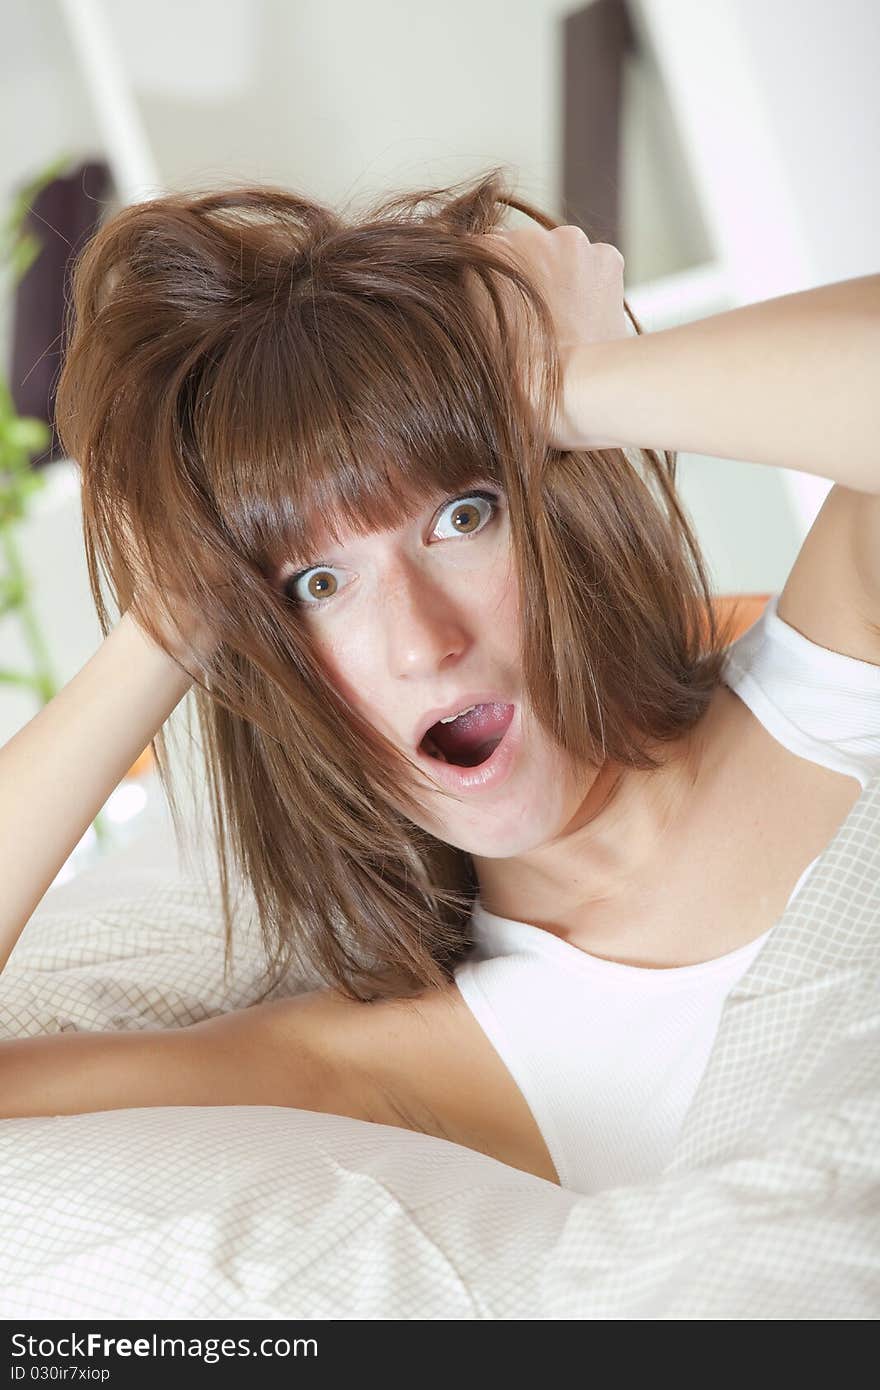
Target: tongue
[{"x": 482, "y": 727}]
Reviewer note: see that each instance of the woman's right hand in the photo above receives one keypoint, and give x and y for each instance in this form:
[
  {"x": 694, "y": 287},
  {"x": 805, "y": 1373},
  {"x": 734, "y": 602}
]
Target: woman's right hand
[{"x": 582, "y": 284}]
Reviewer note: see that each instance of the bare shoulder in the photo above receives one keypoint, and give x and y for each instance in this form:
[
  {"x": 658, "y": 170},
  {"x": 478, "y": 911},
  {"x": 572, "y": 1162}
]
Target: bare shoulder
[
  {"x": 832, "y": 595},
  {"x": 421, "y": 1063}
]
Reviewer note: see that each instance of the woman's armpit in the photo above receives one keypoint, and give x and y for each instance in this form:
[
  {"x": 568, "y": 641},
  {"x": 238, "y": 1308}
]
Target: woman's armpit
[{"x": 425, "y": 1064}]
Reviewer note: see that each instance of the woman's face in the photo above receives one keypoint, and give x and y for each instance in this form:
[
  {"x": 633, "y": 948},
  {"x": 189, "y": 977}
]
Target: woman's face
[{"x": 421, "y": 619}]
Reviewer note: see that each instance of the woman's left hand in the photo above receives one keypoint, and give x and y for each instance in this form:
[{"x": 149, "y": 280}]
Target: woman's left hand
[{"x": 582, "y": 284}]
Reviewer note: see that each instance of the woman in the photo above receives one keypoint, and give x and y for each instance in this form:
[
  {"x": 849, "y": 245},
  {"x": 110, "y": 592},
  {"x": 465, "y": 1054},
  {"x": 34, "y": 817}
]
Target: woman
[{"x": 388, "y": 493}]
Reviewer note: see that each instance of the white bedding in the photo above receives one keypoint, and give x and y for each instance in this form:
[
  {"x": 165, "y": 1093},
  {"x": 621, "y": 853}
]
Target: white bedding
[{"x": 769, "y": 1209}]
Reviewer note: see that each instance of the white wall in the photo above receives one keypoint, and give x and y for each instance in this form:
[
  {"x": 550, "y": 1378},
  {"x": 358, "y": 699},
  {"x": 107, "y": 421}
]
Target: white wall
[
  {"x": 815, "y": 66},
  {"x": 341, "y": 99},
  {"x": 778, "y": 109}
]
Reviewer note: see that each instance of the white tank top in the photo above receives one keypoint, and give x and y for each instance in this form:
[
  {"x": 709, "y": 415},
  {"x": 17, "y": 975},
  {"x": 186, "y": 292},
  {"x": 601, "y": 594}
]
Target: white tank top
[{"x": 609, "y": 1056}]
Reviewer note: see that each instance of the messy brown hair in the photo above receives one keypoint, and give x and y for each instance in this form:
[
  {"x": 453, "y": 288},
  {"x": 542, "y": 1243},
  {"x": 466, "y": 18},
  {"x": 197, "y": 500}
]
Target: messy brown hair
[{"x": 246, "y": 365}]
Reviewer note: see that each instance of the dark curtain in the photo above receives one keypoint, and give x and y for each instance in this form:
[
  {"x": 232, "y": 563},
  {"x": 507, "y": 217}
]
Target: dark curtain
[
  {"x": 596, "y": 40},
  {"x": 63, "y": 216}
]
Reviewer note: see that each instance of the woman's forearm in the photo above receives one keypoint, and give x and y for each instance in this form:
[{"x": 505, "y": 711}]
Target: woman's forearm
[
  {"x": 793, "y": 382},
  {"x": 57, "y": 772}
]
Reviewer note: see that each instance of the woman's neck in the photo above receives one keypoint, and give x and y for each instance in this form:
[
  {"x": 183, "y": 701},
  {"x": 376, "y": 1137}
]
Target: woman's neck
[{"x": 627, "y": 832}]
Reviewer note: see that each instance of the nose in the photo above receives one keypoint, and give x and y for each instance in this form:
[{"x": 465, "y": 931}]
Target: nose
[{"x": 425, "y": 622}]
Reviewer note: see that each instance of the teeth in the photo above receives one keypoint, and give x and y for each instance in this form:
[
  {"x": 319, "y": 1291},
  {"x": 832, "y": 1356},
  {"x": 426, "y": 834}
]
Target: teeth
[{"x": 450, "y": 717}]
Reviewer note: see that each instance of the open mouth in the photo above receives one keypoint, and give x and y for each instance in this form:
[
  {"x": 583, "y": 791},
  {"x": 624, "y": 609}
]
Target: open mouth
[{"x": 471, "y": 738}]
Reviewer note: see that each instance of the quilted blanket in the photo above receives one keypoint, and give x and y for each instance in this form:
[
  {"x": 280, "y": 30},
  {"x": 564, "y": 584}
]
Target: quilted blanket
[{"x": 770, "y": 1207}]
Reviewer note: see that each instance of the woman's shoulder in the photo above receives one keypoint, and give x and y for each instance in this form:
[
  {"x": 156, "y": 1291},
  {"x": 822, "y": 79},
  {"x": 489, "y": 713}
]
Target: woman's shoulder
[{"x": 832, "y": 594}]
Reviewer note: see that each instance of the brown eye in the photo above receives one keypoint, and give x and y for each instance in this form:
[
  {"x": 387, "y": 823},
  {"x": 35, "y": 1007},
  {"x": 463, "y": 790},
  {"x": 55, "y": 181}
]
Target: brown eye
[
  {"x": 311, "y": 586},
  {"x": 471, "y": 514},
  {"x": 466, "y": 518},
  {"x": 322, "y": 585}
]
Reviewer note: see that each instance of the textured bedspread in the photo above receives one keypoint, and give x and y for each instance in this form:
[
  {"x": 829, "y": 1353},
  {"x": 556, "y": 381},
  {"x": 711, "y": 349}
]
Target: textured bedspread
[{"x": 770, "y": 1207}]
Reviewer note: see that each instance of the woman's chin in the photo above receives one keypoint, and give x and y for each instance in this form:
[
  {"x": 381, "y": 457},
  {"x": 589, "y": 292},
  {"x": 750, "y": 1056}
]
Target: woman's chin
[{"x": 507, "y": 831}]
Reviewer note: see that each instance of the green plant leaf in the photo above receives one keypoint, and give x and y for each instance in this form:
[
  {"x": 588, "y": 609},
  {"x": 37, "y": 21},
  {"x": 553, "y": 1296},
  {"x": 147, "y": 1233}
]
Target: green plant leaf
[
  {"x": 22, "y": 255},
  {"x": 27, "y": 433},
  {"x": 18, "y": 246},
  {"x": 19, "y": 678}
]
